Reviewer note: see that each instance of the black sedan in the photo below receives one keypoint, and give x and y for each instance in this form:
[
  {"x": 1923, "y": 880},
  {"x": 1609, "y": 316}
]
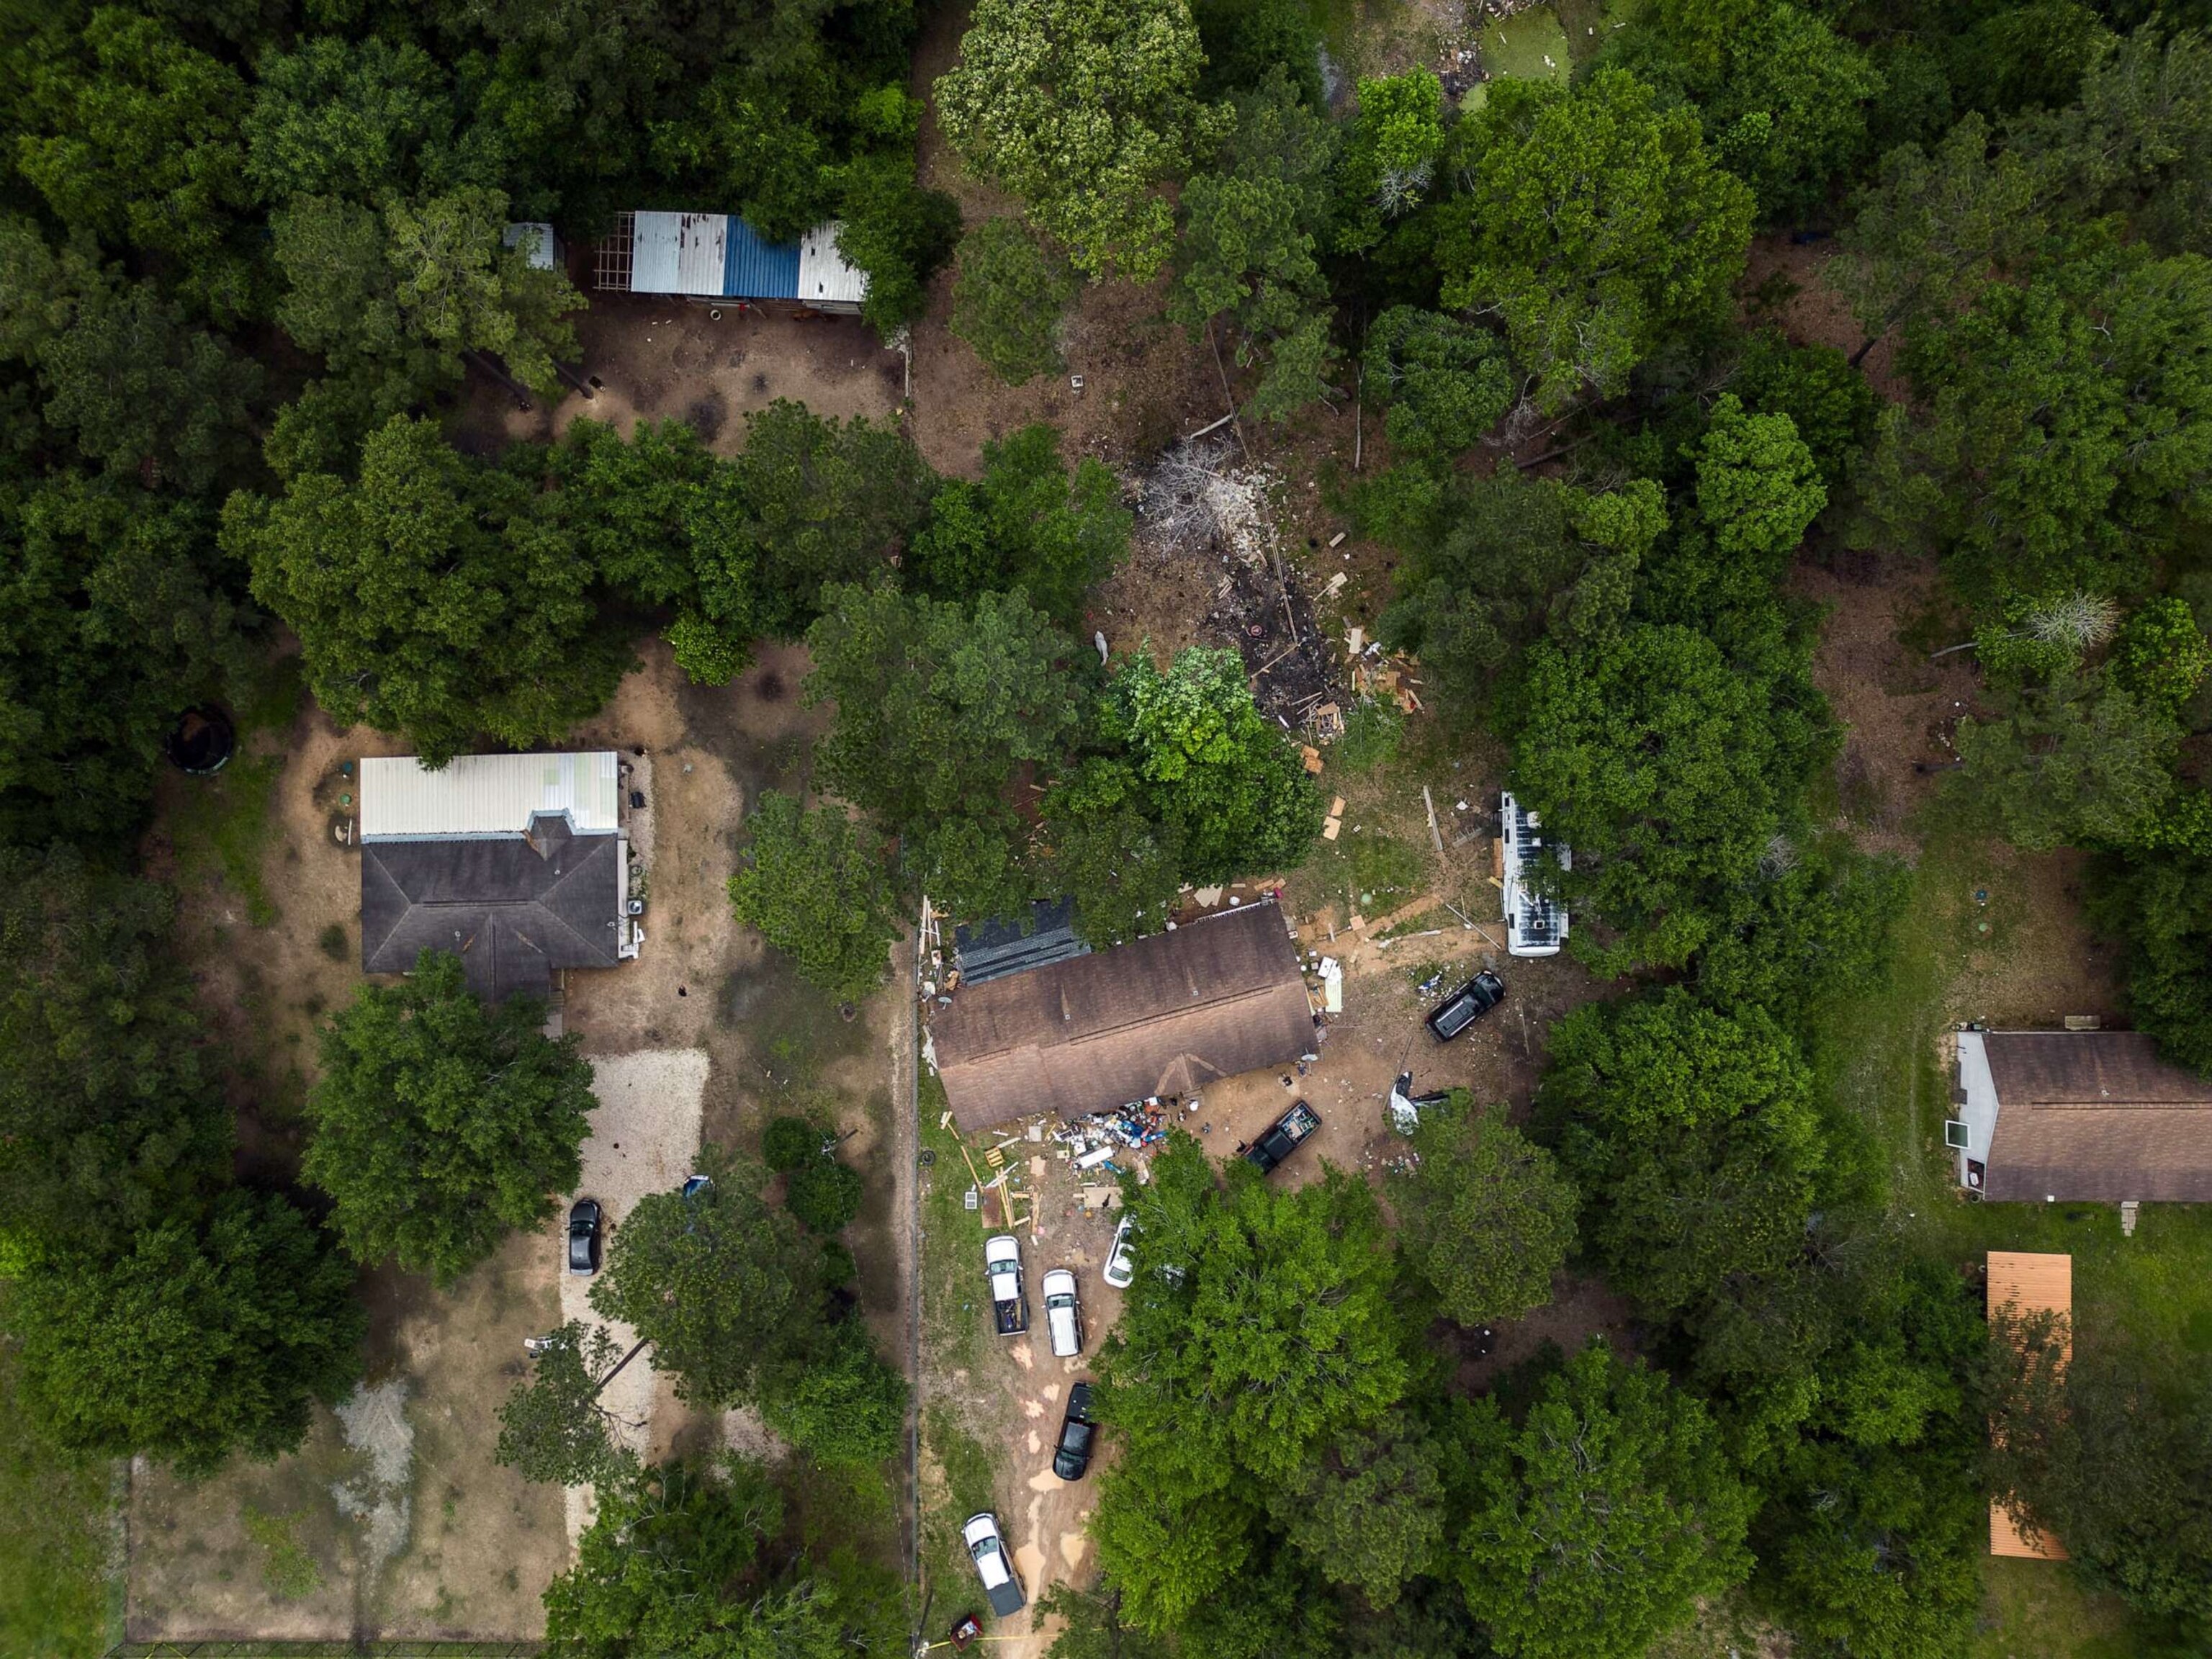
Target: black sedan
[
  {"x": 1466, "y": 1006},
  {"x": 584, "y": 1219},
  {"x": 1078, "y": 1434}
]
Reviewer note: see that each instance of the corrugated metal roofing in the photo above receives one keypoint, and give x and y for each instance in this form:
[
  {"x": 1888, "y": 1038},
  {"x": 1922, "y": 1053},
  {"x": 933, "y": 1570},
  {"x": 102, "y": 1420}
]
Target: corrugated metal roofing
[
  {"x": 679, "y": 253},
  {"x": 824, "y": 278},
  {"x": 535, "y": 237},
  {"x": 719, "y": 256},
  {"x": 758, "y": 270},
  {"x": 487, "y": 796}
]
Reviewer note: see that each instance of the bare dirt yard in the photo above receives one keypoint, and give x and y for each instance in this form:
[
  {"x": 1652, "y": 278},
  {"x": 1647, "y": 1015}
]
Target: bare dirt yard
[{"x": 660, "y": 358}]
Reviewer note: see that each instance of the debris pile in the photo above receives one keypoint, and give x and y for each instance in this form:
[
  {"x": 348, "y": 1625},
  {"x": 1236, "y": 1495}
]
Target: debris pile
[
  {"x": 1197, "y": 501},
  {"x": 1141, "y": 1123}
]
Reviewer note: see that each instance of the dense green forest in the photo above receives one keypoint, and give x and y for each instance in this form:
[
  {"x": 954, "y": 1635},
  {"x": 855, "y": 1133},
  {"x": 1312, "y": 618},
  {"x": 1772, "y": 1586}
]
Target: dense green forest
[{"x": 250, "y": 252}]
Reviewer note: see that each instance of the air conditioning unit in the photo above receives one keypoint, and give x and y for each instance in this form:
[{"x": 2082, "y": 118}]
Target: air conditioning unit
[{"x": 637, "y": 906}]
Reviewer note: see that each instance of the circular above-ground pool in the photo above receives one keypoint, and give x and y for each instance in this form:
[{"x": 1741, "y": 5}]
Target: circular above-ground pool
[{"x": 201, "y": 741}]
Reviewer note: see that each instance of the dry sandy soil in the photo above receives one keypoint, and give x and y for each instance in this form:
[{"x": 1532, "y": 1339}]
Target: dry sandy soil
[
  {"x": 659, "y": 358},
  {"x": 392, "y": 1520}
]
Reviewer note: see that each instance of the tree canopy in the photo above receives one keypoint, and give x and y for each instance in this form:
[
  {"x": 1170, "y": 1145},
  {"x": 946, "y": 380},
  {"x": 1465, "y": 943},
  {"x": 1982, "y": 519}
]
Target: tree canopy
[
  {"x": 1226, "y": 780},
  {"x": 1082, "y": 107},
  {"x": 431, "y": 597},
  {"x": 1486, "y": 1217},
  {"x": 816, "y": 887},
  {"x": 1612, "y": 1466},
  {"x": 726, "y": 1287},
  {"x": 438, "y": 1123},
  {"x": 199, "y": 1341},
  {"x": 1591, "y": 221}
]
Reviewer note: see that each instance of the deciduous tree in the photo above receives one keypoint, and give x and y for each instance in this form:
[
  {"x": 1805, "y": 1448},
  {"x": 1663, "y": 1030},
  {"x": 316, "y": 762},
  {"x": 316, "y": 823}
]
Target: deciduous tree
[
  {"x": 113, "y": 619},
  {"x": 1221, "y": 776},
  {"x": 1613, "y": 1466},
  {"x": 554, "y": 1427},
  {"x": 685, "y": 1563},
  {"x": 1008, "y": 298},
  {"x": 133, "y": 134},
  {"x": 1591, "y": 223},
  {"x": 846, "y": 1406},
  {"x": 1782, "y": 96},
  {"x": 204, "y": 1338},
  {"x": 438, "y": 1123},
  {"x": 430, "y": 597},
  {"x": 2077, "y": 759},
  {"x": 1665, "y": 770},
  {"x": 1083, "y": 107},
  {"x": 1486, "y": 1216},
  {"x": 939, "y": 705},
  {"x": 1252, "y": 229},
  {"x": 1120, "y": 866},
  {"x": 108, "y": 1120},
  {"x": 724, "y": 1285},
  {"x": 1445, "y": 381},
  {"x": 815, "y": 885},
  {"x": 819, "y": 501},
  {"x": 1031, "y": 524}
]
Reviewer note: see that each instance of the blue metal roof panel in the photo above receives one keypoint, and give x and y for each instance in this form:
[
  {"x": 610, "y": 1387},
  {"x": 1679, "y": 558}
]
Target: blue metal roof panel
[{"x": 758, "y": 270}]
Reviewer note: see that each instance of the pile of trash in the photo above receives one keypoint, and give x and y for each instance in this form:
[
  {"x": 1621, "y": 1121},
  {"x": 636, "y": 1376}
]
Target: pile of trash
[{"x": 1141, "y": 1123}]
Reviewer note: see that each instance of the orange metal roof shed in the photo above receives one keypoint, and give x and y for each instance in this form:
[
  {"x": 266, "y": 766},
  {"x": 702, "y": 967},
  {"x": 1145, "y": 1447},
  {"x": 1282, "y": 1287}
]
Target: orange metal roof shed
[{"x": 2029, "y": 1283}]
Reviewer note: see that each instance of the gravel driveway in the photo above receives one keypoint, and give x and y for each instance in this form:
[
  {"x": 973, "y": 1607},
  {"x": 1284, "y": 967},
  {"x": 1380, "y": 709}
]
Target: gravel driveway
[{"x": 644, "y": 1136}]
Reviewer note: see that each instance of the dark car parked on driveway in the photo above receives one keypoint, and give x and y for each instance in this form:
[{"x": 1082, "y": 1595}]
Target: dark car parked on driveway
[
  {"x": 1466, "y": 1006},
  {"x": 1078, "y": 1434},
  {"x": 1289, "y": 1133},
  {"x": 584, "y": 1219}
]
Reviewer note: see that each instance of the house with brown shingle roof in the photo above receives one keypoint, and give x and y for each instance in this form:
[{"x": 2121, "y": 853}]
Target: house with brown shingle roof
[
  {"x": 2091, "y": 1116},
  {"x": 1167, "y": 1015}
]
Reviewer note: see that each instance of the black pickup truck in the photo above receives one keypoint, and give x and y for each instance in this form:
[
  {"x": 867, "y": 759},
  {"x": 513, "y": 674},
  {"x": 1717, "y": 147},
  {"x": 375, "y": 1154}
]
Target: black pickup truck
[{"x": 1289, "y": 1132}]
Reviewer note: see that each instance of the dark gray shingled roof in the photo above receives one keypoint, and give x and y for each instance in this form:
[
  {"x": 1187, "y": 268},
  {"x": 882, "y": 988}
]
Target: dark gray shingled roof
[{"x": 515, "y": 909}]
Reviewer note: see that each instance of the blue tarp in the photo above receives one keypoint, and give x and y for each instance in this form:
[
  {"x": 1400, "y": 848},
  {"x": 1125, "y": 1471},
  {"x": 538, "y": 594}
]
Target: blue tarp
[{"x": 756, "y": 270}]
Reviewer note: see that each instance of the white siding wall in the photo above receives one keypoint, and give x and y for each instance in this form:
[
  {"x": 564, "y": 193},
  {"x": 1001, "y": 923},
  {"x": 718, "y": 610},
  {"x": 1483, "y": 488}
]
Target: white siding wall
[{"x": 1979, "y": 1113}]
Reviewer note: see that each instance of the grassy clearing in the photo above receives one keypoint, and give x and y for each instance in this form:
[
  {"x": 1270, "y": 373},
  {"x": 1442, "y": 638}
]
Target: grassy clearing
[
  {"x": 221, "y": 827},
  {"x": 1530, "y": 45},
  {"x": 54, "y": 1520},
  {"x": 952, "y": 1245},
  {"x": 288, "y": 1572},
  {"x": 1879, "y": 1058},
  {"x": 959, "y": 1480}
]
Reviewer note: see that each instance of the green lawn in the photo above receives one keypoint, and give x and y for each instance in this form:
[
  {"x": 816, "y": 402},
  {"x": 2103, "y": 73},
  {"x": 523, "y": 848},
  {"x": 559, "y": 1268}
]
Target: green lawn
[
  {"x": 1518, "y": 45},
  {"x": 1880, "y": 1056},
  {"x": 54, "y": 1538},
  {"x": 221, "y": 828}
]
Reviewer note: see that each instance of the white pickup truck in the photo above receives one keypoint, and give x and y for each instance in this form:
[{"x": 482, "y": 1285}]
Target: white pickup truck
[{"x": 1002, "y": 1265}]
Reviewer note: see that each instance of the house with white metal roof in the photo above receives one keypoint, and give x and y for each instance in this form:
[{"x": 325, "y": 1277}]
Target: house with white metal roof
[{"x": 518, "y": 864}]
